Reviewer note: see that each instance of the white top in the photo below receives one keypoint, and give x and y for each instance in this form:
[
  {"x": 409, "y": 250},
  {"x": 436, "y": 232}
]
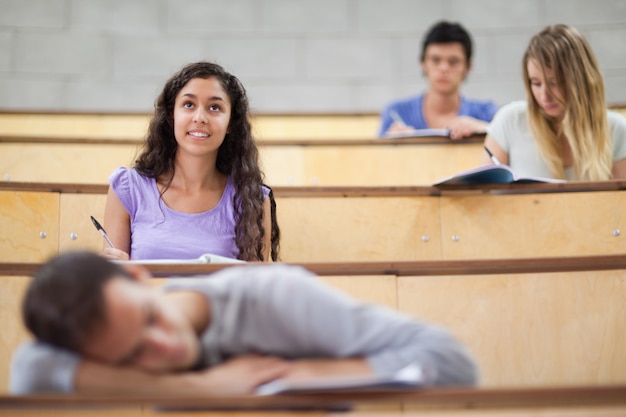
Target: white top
[{"x": 511, "y": 130}]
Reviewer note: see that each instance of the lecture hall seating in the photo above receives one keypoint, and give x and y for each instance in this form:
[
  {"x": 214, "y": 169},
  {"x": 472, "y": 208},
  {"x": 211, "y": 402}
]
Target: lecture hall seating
[{"x": 529, "y": 322}]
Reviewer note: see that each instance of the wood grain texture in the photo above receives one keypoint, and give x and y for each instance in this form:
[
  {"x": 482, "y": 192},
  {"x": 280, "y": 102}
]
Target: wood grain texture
[
  {"x": 13, "y": 332},
  {"x": 69, "y": 163},
  {"x": 75, "y": 221},
  {"x": 356, "y": 229},
  {"x": 23, "y": 217},
  {"x": 376, "y": 165},
  {"x": 372, "y": 289},
  {"x": 531, "y": 329},
  {"x": 506, "y": 226},
  {"x": 378, "y": 162}
]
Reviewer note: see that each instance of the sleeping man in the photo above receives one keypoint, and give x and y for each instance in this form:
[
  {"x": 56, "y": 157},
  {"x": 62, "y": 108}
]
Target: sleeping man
[{"x": 102, "y": 328}]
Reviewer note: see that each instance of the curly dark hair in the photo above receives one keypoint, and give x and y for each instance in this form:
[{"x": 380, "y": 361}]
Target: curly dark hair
[{"x": 238, "y": 156}]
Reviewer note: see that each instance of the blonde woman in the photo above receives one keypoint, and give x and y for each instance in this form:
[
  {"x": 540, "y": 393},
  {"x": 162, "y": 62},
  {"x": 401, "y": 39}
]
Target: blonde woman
[{"x": 564, "y": 129}]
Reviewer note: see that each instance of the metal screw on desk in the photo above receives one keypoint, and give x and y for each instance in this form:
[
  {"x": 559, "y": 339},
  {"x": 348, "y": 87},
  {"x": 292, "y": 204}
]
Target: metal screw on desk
[
  {"x": 73, "y": 236},
  {"x": 43, "y": 235},
  {"x": 616, "y": 232},
  {"x": 455, "y": 238},
  {"x": 425, "y": 238}
]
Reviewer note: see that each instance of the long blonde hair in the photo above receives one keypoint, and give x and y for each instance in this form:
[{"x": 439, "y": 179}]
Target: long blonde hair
[{"x": 562, "y": 49}]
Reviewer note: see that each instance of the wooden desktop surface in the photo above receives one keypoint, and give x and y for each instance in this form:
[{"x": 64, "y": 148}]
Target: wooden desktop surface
[{"x": 491, "y": 402}]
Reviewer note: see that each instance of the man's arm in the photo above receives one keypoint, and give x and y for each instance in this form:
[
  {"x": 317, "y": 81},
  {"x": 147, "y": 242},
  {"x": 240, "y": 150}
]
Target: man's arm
[
  {"x": 237, "y": 376},
  {"x": 37, "y": 368},
  {"x": 310, "y": 316}
]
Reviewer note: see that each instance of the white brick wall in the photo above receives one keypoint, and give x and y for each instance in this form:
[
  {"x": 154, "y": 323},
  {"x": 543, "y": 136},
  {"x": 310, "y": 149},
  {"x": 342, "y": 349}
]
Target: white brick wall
[{"x": 292, "y": 55}]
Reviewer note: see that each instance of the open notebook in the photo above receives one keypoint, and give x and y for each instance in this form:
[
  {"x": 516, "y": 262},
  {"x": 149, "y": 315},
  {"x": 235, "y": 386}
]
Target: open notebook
[
  {"x": 492, "y": 174},
  {"x": 207, "y": 258},
  {"x": 419, "y": 133},
  {"x": 409, "y": 377}
]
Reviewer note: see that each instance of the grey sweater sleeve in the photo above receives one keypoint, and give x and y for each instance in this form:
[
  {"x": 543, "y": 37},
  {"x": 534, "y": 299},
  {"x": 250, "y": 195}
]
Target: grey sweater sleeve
[
  {"x": 38, "y": 368},
  {"x": 311, "y": 318}
]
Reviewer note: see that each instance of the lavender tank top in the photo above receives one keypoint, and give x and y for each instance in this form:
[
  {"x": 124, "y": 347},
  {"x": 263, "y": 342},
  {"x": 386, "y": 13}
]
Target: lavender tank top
[{"x": 158, "y": 232}]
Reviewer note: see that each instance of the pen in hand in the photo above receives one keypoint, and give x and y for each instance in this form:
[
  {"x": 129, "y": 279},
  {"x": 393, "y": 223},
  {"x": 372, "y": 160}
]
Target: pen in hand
[
  {"x": 396, "y": 117},
  {"x": 102, "y": 232},
  {"x": 492, "y": 156}
]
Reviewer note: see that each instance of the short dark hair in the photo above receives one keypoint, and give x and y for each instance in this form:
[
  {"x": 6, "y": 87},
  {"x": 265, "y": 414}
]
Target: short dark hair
[
  {"x": 448, "y": 32},
  {"x": 64, "y": 302}
]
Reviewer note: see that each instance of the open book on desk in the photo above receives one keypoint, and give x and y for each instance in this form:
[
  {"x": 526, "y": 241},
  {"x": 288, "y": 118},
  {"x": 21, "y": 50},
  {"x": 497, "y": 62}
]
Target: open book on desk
[
  {"x": 492, "y": 174},
  {"x": 207, "y": 258},
  {"x": 409, "y": 377},
  {"x": 418, "y": 133}
]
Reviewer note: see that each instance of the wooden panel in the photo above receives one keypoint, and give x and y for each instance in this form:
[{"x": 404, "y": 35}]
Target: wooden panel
[
  {"x": 75, "y": 125},
  {"x": 533, "y": 225},
  {"x": 372, "y": 289},
  {"x": 375, "y": 165},
  {"x": 520, "y": 411},
  {"x": 24, "y": 216},
  {"x": 12, "y": 289},
  {"x": 315, "y": 126},
  {"x": 135, "y": 126},
  {"x": 595, "y": 411},
  {"x": 358, "y": 228},
  {"x": 74, "y": 163},
  {"x": 113, "y": 411},
  {"x": 76, "y": 231},
  {"x": 533, "y": 329},
  {"x": 283, "y": 165}
]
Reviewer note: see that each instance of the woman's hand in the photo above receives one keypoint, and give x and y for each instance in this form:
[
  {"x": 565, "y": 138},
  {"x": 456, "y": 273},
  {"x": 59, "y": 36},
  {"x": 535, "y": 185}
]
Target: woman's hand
[{"x": 115, "y": 254}]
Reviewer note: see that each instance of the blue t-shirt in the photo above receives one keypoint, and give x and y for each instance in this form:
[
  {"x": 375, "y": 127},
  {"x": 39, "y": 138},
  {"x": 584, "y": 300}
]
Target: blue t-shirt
[{"x": 411, "y": 112}]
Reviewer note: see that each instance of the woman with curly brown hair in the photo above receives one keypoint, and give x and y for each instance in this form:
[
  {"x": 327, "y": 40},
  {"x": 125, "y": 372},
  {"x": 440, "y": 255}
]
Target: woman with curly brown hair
[{"x": 197, "y": 187}]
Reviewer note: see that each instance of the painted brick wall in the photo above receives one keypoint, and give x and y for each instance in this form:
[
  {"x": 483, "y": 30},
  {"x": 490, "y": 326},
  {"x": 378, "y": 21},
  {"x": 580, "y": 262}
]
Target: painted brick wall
[{"x": 292, "y": 55}]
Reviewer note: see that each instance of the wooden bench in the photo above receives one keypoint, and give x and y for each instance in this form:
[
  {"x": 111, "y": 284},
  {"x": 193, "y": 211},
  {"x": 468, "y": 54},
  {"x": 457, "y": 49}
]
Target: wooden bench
[
  {"x": 351, "y": 224},
  {"x": 529, "y": 322},
  {"x": 543, "y": 402},
  {"x": 134, "y": 126},
  {"x": 295, "y": 149},
  {"x": 336, "y": 162}
]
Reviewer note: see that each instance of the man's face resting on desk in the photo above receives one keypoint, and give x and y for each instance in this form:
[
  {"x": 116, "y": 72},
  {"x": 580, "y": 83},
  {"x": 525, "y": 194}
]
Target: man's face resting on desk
[
  {"x": 117, "y": 318},
  {"x": 143, "y": 328}
]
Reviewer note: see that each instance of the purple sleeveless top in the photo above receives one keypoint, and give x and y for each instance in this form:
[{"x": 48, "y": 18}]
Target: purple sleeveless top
[{"x": 158, "y": 232}]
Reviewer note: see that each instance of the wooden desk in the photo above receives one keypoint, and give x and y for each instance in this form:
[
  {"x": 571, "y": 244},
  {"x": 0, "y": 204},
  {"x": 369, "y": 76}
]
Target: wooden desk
[
  {"x": 329, "y": 162},
  {"x": 335, "y": 224},
  {"x": 528, "y": 322},
  {"x": 545, "y": 402}
]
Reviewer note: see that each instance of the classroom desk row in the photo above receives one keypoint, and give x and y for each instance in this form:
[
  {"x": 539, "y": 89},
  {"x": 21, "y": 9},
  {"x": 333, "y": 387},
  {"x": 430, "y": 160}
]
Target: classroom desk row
[
  {"x": 296, "y": 162},
  {"x": 528, "y": 322},
  {"x": 335, "y": 224},
  {"x": 539, "y": 402}
]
